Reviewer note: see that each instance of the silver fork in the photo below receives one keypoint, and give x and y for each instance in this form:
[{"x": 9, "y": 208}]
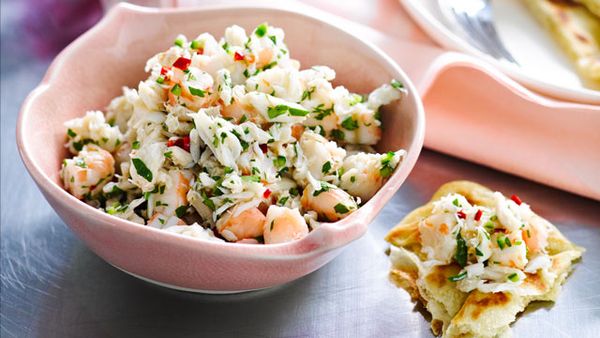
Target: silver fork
[{"x": 475, "y": 19}]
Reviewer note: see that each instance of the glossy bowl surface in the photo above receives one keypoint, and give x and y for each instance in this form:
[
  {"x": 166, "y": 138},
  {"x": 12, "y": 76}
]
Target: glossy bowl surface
[{"x": 92, "y": 70}]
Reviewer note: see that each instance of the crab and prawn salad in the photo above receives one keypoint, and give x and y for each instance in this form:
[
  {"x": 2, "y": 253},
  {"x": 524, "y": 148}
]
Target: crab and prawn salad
[{"x": 230, "y": 140}]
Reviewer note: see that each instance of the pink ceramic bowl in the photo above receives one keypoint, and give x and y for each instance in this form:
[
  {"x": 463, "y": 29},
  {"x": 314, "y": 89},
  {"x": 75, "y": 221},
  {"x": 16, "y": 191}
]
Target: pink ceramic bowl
[{"x": 91, "y": 71}]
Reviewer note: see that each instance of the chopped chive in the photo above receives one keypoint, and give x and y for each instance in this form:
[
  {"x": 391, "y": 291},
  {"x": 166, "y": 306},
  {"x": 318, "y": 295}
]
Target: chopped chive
[
  {"x": 337, "y": 134},
  {"x": 458, "y": 277}
]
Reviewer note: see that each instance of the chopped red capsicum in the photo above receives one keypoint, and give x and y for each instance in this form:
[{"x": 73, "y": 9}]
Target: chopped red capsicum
[
  {"x": 478, "y": 215},
  {"x": 516, "y": 199},
  {"x": 182, "y": 63}
]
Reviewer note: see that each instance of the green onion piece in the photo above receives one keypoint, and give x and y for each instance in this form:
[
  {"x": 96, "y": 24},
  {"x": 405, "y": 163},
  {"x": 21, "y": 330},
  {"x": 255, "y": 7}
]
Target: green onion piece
[
  {"x": 280, "y": 161},
  {"x": 178, "y": 42},
  {"x": 455, "y": 202},
  {"x": 195, "y": 44},
  {"x": 274, "y": 39},
  {"x": 513, "y": 277},
  {"x": 141, "y": 169},
  {"x": 135, "y": 145},
  {"x": 507, "y": 241},
  {"x": 500, "y": 243}
]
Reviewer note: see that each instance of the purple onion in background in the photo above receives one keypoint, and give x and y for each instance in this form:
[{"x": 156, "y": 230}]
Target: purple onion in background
[{"x": 50, "y": 25}]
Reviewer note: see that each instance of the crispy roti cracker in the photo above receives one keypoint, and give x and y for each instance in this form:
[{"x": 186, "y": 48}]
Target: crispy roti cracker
[
  {"x": 474, "y": 314},
  {"x": 592, "y": 5},
  {"x": 576, "y": 30}
]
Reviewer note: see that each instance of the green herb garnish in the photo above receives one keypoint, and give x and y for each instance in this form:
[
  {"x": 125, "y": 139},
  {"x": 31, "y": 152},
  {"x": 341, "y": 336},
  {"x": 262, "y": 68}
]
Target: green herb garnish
[{"x": 141, "y": 169}]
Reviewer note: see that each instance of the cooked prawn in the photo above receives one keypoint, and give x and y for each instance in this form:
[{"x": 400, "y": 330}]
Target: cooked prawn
[
  {"x": 88, "y": 172},
  {"x": 330, "y": 202},
  {"x": 174, "y": 195},
  {"x": 248, "y": 224},
  {"x": 284, "y": 225}
]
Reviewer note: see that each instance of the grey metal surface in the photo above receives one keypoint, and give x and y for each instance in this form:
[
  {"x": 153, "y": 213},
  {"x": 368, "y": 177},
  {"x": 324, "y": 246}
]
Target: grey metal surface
[{"x": 53, "y": 286}]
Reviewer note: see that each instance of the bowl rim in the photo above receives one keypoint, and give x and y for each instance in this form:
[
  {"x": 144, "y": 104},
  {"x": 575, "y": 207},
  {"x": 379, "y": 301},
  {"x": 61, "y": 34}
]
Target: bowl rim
[{"x": 355, "y": 224}]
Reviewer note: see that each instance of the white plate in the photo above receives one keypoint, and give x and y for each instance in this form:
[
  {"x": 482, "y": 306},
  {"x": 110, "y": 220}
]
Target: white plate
[{"x": 543, "y": 66}]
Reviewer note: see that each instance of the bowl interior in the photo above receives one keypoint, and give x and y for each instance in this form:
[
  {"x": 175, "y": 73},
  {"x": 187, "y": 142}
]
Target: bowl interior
[{"x": 94, "y": 69}]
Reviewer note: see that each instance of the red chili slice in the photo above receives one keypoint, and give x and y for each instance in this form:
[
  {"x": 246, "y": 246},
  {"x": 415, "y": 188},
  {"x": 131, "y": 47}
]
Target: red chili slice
[
  {"x": 182, "y": 63},
  {"x": 267, "y": 193},
  {"x": 516, "y": 199},
  {"x": 164, "y": 70},
  {"x": 181, "y": 142},
  {"x": 461, "y": 214},
  {"x": 478, "y": 215},
  {"x": 186, "y": 143},
  {"x": 264, "y": 148},
  {"x": 238, "y": 56}
]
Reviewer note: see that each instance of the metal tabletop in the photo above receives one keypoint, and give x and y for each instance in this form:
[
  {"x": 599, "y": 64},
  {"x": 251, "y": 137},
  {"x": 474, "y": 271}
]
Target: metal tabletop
[{"x": 53, "y": 286}]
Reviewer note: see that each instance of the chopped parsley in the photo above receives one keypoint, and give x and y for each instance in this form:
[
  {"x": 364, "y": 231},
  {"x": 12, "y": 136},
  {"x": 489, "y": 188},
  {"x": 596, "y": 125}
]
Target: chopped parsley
[
  {"x": 324, "y": 187},
  {"x": 142, "y": 169},
  {"x": 176, "y": 90},
  {"x": 500, "y": 243},
  {"x": 513, "y": 277},
  {"x": 350, "y": 123},
  {"x": 386, "y": 168},
  {"x": 181, "y": 211},
  {"x": 270, "y": 65},
  {"x": 337, "y": 134},
  {"x": 195, "y": 44},
  {"x": 294, "y": 191},
  {"x": 251, "y": 178},
  {"x": 274, "y": 39},
  {"x": 341, "y": 209},
  {"x": 397, "y": 84},
  {"x": 168, "y": 154},
  {"x": 80, "y": 163},
  {"x": 196, "y": 91},
  {"x": 135, "y": 145},
  {"x": 283, "y": 200},
  {"x": 326, "y": 167},
  {"x": 160, "y": 80},
  {"x": 456, "y": 203},
  {"x": 307, "y": 94},
  {"x": 322, "y": 112},
  {"x": 261, "y": 30},
  {"x": 178, "y": 42},
  {"x": 281, "y": 109},
  {"x": 71, "y": 133}
]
